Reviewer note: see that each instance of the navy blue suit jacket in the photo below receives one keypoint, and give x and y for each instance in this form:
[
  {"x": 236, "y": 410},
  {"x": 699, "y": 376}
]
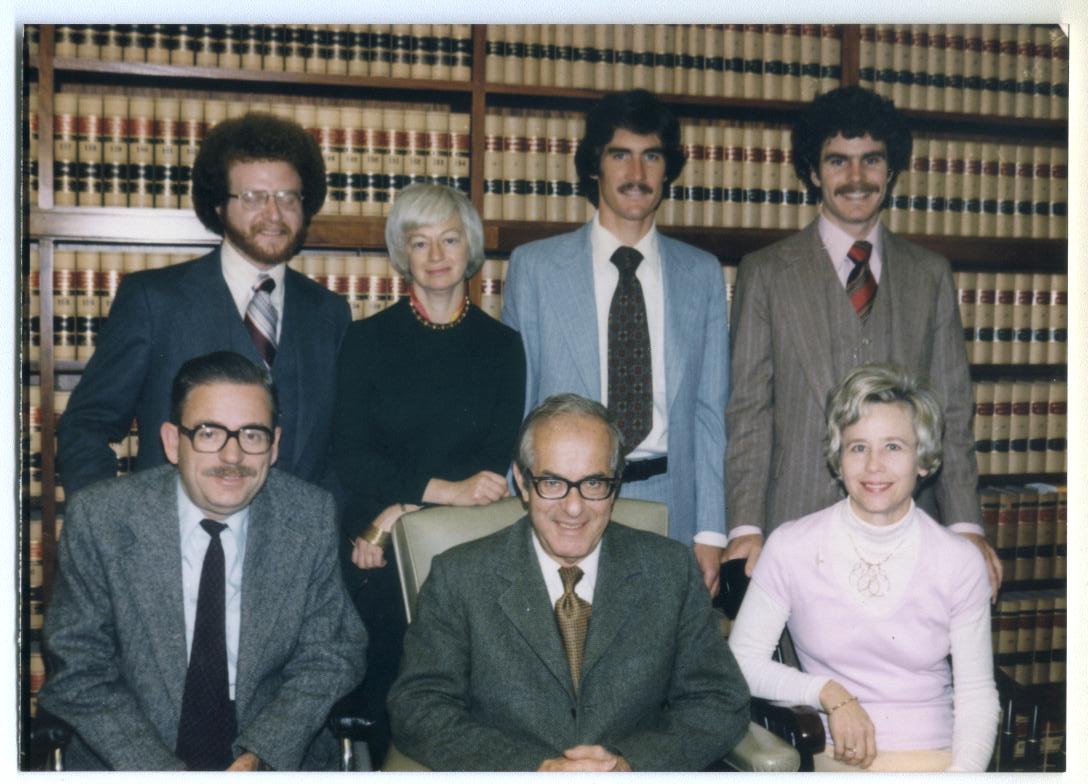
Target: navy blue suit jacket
[{"x": 163, "y": 317}]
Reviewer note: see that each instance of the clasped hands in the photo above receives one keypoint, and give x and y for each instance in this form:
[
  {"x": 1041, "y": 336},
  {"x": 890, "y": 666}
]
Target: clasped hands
[{"x": 586, "y": 758}]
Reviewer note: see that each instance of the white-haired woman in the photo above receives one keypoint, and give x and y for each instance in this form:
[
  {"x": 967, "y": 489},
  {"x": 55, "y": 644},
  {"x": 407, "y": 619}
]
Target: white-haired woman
[
  {"x": 876, "y": 596},
  {"x": 430, "y": 395}
]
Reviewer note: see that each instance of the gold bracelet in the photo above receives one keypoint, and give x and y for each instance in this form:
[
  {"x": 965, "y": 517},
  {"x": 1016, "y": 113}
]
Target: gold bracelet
[
  {"x": 847, "y": 701},
  {"x": 376, "y": 536}
]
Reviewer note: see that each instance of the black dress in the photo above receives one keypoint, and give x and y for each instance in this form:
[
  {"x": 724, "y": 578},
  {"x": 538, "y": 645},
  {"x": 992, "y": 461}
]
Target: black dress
[{"x": 415, "y": 402}]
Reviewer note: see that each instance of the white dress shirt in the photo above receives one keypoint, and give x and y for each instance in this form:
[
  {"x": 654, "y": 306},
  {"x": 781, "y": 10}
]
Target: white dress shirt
[
  {"x": 194, "y": 545},
  {"x": 241, "y": 277},
  {"x": 605, "y": 279}
]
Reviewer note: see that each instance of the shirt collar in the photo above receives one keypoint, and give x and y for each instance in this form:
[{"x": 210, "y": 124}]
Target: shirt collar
[
  {"x": 550, "y": 569},
  {"x": 604, "y": 242},
  {"x": 239, "y": 271},
  {"x": 190, "y": 515},
  {"x": 838, "y": 242}
]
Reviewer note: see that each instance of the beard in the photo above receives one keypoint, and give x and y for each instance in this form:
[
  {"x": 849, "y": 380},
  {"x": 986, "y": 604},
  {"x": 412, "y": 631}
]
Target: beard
[{"x": 249, "y": 244}]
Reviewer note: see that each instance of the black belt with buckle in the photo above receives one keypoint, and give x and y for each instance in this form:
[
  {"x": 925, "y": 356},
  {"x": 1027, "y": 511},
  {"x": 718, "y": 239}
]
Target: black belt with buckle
[{"x": 638, "y": 470}]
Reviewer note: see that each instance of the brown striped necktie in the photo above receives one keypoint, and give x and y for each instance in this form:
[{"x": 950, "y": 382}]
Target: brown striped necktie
[
  {"x": 572, "y": 613},
  {"x": 861, "y": 285}
]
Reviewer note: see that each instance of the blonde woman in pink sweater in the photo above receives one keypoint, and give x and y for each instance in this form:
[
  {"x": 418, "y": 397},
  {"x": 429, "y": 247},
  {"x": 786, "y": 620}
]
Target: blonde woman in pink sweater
[{"x": 877, "y": 595}]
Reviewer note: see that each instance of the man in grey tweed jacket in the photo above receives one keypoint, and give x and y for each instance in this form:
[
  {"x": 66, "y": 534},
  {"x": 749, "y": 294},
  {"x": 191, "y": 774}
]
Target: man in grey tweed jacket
[
  {"x": 485, "y": 681},
  {"x": 120, "y": 627}
]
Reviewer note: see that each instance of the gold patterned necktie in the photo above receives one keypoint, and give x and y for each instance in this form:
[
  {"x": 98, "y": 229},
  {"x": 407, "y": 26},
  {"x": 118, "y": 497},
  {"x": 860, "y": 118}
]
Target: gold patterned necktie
[{"x": 572, "y": 614}]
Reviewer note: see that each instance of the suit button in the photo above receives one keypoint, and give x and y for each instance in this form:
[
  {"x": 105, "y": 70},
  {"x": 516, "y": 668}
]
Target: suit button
[{"x": 865, "y": 341}]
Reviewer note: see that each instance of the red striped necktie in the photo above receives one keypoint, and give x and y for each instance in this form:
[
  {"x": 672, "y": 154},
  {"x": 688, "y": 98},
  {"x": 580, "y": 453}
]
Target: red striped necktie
[{"x": 861, "y": 285}]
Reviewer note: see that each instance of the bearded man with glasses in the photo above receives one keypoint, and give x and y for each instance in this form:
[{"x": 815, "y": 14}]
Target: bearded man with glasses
[
  {"x": 567, "y": 641},
  {"x": 257, "y": 181},
  {"x": 199, "y": 620}
]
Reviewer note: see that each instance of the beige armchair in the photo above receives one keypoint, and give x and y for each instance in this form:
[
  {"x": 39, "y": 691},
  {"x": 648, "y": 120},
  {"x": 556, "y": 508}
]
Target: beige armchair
[{"x": 422, "y": 535}]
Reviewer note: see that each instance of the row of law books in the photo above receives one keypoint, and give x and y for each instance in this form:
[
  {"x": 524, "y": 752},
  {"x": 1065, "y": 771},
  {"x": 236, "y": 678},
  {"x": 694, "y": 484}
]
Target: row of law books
[
  {"x": 138, "y": 151},
  {"x": 1009, "y": 70},
  {"x": 1016, "y": 318},
  {"x": 1020, "y": 426},
  {"x": 1027, "y": 526},
  {"x": 1029, "y": 636},
  {"x": 790, "y": 62},
  {"x": 32, "y": 440},
  {"x": 400, "y": 51},
  {"x": 973, "y": 188}
]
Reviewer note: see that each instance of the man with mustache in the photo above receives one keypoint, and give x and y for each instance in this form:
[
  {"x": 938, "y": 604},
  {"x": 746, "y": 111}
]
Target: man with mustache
[
  {"x": 842, "y": 292},
  {"x": 619, "y": 313},
  {"x": 198, "y": 619},
  {"x": 257, "y": 181}
]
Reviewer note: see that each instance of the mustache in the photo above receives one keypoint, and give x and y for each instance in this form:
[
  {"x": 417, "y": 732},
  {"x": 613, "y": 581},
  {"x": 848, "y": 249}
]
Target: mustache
[
  {"x": 639, "y": 186},
  {"x": 279, "y": 226},
  {"x": 230, "y": 472}
]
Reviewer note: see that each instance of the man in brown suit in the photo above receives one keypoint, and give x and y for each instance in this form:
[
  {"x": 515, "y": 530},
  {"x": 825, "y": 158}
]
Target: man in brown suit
[{"x": 809, "y": 308}]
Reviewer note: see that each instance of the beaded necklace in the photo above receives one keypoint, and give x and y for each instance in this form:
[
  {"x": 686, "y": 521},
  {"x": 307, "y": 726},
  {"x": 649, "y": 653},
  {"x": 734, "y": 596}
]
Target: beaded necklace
[{"x": 421, "y": 316}]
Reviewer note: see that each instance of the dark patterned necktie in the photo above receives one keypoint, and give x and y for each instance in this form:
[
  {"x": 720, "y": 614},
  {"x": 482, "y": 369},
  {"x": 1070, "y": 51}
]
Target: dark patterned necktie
[
  {"x": 572, "y": 613},
  {"x": 861, "y": 285},
  {"x": 261, "y": 318},
  {"x": 207, "y": 727},
  {"x": 630, "y": 374}
]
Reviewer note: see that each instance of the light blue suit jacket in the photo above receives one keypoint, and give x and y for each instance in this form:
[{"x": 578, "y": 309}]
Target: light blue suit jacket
[{"x": 548, "y": 298}]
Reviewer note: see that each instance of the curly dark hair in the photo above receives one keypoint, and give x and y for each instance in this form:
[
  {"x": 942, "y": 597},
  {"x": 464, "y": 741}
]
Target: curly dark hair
[
  {"x": 852, "y": 112},
  {"x": 254, "y": 137},
  {"x": 637, "y": 111}
]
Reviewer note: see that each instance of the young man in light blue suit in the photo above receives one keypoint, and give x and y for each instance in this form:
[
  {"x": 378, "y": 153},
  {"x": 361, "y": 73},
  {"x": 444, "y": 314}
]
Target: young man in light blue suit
[{"x": 563, "y": 295}]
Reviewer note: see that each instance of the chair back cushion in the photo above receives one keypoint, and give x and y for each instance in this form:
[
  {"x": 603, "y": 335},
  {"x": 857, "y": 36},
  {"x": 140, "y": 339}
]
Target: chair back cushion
[{"x": 420, "y": 536}]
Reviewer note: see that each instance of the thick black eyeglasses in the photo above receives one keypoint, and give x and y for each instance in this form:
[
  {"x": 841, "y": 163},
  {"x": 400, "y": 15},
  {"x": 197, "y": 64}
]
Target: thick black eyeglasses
[
  {"x": 592, "y": 488},
  {"x": 209, "y": 437},
  {"x": 256, "y": 200}
]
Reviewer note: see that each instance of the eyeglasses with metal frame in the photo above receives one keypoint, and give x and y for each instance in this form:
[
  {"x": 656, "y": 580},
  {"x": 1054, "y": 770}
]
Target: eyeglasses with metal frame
[
  {"x": 211, "y": 437},
  {"x": 256, "y": 200},
  {"x": 591, "y": 488}
]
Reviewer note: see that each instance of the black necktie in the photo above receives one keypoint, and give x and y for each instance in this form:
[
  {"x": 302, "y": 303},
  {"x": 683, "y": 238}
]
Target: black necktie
[
  {"x": 207, "y": 726},
  {"x": 630, "y": 374}
]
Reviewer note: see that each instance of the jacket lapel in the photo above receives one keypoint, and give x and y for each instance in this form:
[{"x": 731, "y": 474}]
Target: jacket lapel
[
  {"x": 526, "y": 606},
  {"x": 901, "y": 303},
  {"x": 678, "y": 283},
  {"x": 272, "y": 547},
  {"x": 211, "y": 317},
  {"x": 617, "y": 592},
  {"x": 154, "y": 562},
  {"x": 572, "y": 297},
  {"x": 802, "y": 282},
  {"x": 294, "y": 365}
]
